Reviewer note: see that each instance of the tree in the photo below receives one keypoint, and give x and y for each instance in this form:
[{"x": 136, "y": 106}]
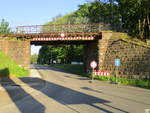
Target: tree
[
  {"x": 101, "y": 12},
  {"x": 62, "y": 53},
  {"x": 4, "y": 27},
  {"x": 34, "y": 58},
  {"x": 44, "y": 56},
  {"x": 131, "y": 16},
  {"x": 135, "y": 17}
]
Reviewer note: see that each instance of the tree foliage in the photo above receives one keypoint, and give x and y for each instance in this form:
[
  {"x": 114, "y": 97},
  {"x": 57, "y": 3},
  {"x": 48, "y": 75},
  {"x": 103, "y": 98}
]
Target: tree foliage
[
  {"x": 135, "y": 17},
  {"x": 61, "y": 53},
  {"x": 34, "y": 58},
  {"x": 130, "y": 16},
  {"x": 4, "y": 27}
]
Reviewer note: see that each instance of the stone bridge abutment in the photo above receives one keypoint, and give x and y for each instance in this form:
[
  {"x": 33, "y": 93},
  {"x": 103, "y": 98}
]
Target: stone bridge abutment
[
  {"x": 134, "y": 56},
  {"x": 19, "y": 51}
]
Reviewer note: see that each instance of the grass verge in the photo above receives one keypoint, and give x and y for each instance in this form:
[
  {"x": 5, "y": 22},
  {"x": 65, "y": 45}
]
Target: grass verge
[
  {"x": 79, "y": 69},
  {"x": 9, "y": 68},
  {"x": 126, "y": 81}
]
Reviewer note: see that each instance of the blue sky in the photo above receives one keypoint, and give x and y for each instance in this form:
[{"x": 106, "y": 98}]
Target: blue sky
[
  {"x": 35, "y": 12},
  {"x": 29, "y": 12}
]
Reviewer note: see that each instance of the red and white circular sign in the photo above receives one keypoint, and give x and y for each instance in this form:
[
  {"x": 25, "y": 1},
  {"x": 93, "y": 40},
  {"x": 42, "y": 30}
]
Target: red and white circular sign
[
  {"x": 62, "y": 34},
  {"x": 93, "y": 64}
]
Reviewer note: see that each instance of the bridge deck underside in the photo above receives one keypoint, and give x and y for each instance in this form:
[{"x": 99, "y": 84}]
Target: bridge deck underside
[
  {"x": 55, "y": 35},
  {"x": 56, "y": 38},
  {"x": 59, "y": 42}
]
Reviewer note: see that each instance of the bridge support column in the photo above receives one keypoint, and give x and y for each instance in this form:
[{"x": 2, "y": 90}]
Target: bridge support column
[
  {"x": 103, "y": 47},
  {"x": 90, "y": 54},
  {"x": 96, "y": 50},
  {"x": 19, "y": 51}
]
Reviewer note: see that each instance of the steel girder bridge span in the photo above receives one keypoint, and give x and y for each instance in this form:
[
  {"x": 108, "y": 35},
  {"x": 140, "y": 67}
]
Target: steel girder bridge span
[{"x": 60, "y": 33}]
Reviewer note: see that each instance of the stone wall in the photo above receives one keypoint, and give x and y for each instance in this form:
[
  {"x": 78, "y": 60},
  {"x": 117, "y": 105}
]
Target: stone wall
[
  {"x": 135, "y": 58},
  {"x": 19, "y": 51}
]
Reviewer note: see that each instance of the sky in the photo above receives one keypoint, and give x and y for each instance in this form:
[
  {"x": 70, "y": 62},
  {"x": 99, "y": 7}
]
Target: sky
[
  {"x": 29, "y": 12},
  {"x": 35, "y": 12}
]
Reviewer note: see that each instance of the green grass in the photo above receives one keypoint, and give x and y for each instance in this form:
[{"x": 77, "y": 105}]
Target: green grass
[
  {"x": 126, "y": 81},
  {"x": 9, "y": 68},
  {"x": 79, "y": 69},
  {"x": 134, "y": 40}
]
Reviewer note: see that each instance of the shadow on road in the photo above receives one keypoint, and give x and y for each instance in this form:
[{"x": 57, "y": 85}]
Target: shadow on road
[
  {"x": 67, "y": 96},
  {"x": 4, "y": 73},
  {"x": 86, "y": 88},
  {"x": 17, "y": 93},
  {"x": 115, "y": 96},
  {"x": 61, "y": 94}
]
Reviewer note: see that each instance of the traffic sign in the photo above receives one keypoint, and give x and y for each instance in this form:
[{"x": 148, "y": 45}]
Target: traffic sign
[
  {"x": 117, "y": 62},
  {"x": 93, "y": 64},
  {"x": 62, "y": 34}
]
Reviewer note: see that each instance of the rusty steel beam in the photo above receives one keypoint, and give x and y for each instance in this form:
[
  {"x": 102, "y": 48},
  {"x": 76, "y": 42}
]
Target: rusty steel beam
[
  {"x": 47, "y": 35},
  {"x": 55, "y": 30},
  {"x": 62, "y": 28}
]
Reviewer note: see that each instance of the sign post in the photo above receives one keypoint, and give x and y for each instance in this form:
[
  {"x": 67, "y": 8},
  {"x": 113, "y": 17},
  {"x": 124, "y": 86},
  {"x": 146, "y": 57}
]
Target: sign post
[
  {"x": 117, "y": 64},
  {"x": 93, "y": 65}
]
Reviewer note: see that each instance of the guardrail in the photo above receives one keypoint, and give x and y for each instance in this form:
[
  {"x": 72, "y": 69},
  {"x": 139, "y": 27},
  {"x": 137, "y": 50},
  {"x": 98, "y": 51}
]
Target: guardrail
[{"x": 62, "y": 28}]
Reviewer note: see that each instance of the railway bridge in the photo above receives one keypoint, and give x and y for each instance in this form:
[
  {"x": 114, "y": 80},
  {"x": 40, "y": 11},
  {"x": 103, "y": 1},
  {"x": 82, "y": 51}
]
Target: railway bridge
[
  {"x": 101, "y": 45},
  {"x": 54, "y": 34}
]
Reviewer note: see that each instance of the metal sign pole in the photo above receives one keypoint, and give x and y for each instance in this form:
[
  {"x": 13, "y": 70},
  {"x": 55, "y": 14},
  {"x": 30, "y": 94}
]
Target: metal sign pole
[
  {"x": 92, "y": 74},
  {"x": 117, "y": 68},
  {"x": 117, "y": 64}
]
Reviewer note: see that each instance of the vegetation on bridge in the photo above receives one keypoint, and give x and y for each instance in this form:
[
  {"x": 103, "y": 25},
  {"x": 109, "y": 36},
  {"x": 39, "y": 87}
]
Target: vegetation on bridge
[
  {"x": 130, "y": 16},
  {"x": 8, "y": 68}
]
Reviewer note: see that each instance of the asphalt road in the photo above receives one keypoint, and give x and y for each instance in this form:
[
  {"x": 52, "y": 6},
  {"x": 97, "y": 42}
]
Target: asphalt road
[{"x": 60, "y": 92}]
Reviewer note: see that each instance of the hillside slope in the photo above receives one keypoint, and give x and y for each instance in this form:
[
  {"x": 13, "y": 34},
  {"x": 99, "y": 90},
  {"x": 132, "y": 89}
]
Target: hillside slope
[{"x": 9, "y": 68}]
